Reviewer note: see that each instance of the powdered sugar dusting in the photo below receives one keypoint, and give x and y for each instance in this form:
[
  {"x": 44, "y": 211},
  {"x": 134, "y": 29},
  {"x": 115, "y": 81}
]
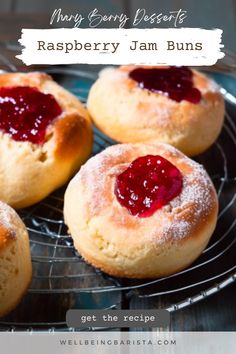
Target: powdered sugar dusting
[
  {"x": 193, "y": 205},
  {"x": 113, "y": 73},
  {"x": 5, "y": 215},
  {"x": 213, "y": 86},
  {"x": 95, "y": 176},
  {"x": 117, "y": 74},
  {"x": 179, "y": 229},
  {"x": 178, "y": 218}
]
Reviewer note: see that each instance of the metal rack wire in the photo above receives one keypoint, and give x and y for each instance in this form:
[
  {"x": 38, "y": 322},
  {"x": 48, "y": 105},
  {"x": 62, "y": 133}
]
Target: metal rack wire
[{"x": 62, "y": 280}]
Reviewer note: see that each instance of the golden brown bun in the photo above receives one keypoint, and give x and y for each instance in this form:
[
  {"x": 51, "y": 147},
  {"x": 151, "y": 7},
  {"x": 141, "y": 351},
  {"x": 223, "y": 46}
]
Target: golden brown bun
[
  {"x": 15, "y": 259},
  {"x": 29, "y": 172},
  {"x": 110, "y": 238},
  {"x": 130, "y": 114}
]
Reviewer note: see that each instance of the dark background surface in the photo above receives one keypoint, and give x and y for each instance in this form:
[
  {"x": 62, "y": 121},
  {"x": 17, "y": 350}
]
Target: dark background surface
[{"x": 216, "y": 313}]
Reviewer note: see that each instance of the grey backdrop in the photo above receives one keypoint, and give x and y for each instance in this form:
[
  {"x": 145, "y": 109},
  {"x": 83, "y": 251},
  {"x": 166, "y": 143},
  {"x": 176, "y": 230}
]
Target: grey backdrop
[{"x": 201, "y": 13}]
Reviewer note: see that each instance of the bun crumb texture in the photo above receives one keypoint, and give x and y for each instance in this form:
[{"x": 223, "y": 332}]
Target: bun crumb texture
[
  {"x": 110, "y": 238},
  {"x": 15, "y": 259},
  {"x": 30, "y": 171},
  {"x": 136, "y": 114}
]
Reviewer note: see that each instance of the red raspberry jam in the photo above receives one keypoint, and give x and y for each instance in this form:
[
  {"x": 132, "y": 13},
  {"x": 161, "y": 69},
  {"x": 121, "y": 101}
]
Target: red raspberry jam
[
  {"x": 175, "y": 82},
  {"x": 149, "y": 183},
  {"x": 25, "y": 113}
]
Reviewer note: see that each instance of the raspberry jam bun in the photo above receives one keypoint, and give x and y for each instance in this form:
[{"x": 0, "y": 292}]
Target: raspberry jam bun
[
  {"x": 175, "y": 105},
  {"x": 45, "y": 135},
  {"x": 15, "y": 259},
  {"x": 141, "y": 210}
]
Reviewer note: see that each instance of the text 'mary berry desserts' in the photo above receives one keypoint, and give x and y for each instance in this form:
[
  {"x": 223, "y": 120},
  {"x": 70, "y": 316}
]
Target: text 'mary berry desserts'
[
  {"x": 141, "y": 210},
  {"x": 45, "y": 135},
  {"x": 15, "y": 259},
  {"x": 175, "y": 105}
]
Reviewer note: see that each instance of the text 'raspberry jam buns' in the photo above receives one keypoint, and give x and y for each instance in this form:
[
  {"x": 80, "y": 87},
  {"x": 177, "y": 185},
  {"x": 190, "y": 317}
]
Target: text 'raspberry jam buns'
[
  {"x": 15, "y": 259},
  {"x": 175, "y": 105},
  {"x": 45, "y": 135},
  {"x": 141, "y": 210}
]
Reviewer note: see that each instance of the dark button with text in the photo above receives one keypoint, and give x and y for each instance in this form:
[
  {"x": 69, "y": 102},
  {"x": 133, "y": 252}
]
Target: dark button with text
[{"x": 117, "y": 318}]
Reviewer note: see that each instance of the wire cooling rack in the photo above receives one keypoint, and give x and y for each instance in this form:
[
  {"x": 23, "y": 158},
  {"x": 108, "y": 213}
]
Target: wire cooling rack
[{"x": 62, "y": 280}]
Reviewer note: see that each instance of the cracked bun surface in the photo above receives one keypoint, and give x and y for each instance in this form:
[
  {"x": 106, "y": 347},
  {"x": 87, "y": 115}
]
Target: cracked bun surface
[
  {"x": 35, "y": 162},
  {"x": 128, "y": 112},
  {"x": 15, "y": 259},
  {"x": 109, "y": 237}
]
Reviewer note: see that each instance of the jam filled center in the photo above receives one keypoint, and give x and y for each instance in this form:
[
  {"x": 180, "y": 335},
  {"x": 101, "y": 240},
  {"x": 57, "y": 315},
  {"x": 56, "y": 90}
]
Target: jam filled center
[
  {"x": 175, "y": 82},
  {"x": 25, "y": 113},
  {"x": 149, "y": 183}
]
